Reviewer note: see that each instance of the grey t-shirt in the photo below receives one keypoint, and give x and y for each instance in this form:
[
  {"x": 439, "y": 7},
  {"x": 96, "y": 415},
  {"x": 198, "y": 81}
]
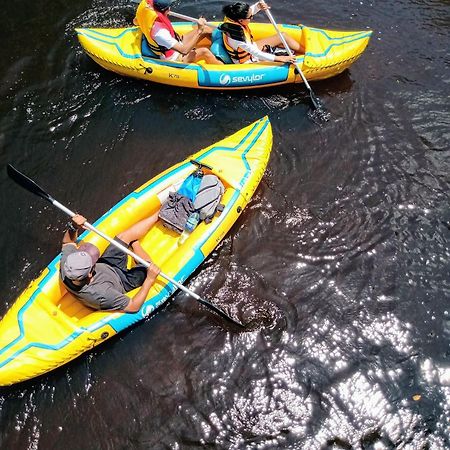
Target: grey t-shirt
[{"x": 105, "y": 290}]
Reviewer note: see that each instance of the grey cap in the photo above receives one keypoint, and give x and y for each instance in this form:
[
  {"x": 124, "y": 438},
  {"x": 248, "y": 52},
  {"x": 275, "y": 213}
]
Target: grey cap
[{"x": 79, "y": 264}]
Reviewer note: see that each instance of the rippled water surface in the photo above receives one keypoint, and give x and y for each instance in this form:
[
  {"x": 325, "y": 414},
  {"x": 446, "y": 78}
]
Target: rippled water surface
[{"x": 341, "y": 258}]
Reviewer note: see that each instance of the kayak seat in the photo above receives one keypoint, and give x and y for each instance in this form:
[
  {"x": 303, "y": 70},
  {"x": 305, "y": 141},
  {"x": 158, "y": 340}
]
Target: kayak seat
[
  {"x": 218, "y": 49},
  {"x": 146, "y": 50}
]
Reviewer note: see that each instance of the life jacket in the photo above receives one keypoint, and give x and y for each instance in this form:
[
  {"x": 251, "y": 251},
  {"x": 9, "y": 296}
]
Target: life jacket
[
  {"x": 145, "y": 19},
  {"x": 234, "y": 30}
]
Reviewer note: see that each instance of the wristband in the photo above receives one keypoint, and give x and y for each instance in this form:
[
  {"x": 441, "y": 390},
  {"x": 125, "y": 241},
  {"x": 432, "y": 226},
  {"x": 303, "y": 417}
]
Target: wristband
[{"x": 71, "y": 227}]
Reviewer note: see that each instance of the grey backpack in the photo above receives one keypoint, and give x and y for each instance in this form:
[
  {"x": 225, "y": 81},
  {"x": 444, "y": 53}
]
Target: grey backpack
[{"x": 207, "y": 200}]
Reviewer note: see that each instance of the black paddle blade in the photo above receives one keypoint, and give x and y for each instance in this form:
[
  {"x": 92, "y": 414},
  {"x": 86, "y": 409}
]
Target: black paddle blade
[
  {"x": 221, "y": 313},
  {"x": 27, "y": 183},
  {"x": 318, "y": 114}
]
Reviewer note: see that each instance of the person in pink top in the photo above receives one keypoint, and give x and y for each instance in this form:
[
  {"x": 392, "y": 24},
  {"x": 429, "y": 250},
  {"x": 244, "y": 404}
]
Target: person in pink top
[{"x": 165, "y": 42}]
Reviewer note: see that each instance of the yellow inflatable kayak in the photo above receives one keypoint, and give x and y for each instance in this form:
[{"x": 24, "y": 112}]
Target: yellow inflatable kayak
[
  {"x": 327, "y": 53},
  {"x": 47, "y": 326}
]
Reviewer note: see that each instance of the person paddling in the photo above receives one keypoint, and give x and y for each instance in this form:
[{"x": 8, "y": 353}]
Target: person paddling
[
  {"x": 238, "y": 39},
  {"x": 101, "y": 282},
  {"x": 162, "y": 39}
]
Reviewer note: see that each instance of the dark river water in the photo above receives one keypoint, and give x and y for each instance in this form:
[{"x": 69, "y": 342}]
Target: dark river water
[{"x": 342, "y": 255}]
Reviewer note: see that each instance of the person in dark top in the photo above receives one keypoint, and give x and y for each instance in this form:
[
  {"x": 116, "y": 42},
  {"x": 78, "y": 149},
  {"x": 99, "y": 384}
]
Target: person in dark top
[{"x": 101, "y": 282}]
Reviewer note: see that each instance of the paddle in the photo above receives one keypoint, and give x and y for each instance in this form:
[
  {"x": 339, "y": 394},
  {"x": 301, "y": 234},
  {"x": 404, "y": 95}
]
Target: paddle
[
  {"x": 319, "y": 110},
  {"x": 189, "y": 19},
  {"x": 31, "y": 186}
]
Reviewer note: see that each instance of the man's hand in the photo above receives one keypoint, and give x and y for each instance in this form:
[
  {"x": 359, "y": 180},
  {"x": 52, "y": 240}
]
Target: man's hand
[
  {"x": 137, "y": 301},
  {"x": 79, "y": 220},
  {"x": 77, "y": 223},
  {"x": 153, "y": 271},
  {"x": 202, "y": 26}
]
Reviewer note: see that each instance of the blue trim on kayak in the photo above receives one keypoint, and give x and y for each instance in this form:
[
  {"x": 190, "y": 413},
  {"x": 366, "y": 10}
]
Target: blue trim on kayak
[
  {"x": 109, "y": 40},
  {"x": 325, "y": 32},
  {"x": 125, "y": 320},
  {"x": 106, "y": 35},
  {"x": 115, "y": 44},
  {"x": 52, "y": 270}
]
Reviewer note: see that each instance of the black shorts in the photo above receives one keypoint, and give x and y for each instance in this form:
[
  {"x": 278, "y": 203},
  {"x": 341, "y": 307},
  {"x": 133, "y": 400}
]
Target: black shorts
[
  {"x": 275, "y": 50},
  {"x": 117, "y": 259}
]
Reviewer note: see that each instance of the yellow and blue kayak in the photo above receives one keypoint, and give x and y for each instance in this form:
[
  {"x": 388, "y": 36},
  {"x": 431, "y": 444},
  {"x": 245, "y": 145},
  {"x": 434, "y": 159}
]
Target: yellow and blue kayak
[
  {"x": 47, "y": 326},
  {"x": 327, "y": 53}
]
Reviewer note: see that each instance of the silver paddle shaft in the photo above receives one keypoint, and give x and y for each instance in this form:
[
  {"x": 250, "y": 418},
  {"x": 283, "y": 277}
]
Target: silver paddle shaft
[{"x": 190, "y": 19}]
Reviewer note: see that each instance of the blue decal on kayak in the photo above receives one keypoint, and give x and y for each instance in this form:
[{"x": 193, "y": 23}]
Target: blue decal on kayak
[
  {"x": 325, "y": 32},
  {"x": 256, "y": 76}
]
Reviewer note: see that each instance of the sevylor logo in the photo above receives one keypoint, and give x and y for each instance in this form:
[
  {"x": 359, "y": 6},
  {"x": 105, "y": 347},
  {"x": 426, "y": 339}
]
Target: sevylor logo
[{"x": 226, "y": 79}]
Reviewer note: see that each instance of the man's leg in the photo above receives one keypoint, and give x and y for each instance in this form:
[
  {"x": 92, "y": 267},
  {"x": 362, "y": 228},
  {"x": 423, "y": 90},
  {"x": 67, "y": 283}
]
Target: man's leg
[
  {"x": 138, "y": 230},
  {"x": 134, "y": 277},
  {"x": 200, "y": 53},
  {"x": 138, "y": 249}
]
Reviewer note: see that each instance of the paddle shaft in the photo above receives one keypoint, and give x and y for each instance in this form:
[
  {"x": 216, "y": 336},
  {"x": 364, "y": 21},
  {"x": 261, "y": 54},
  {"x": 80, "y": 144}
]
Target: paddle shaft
[
  {"x": 286, "y": 46},
  {"x": 189, "y": 19}
]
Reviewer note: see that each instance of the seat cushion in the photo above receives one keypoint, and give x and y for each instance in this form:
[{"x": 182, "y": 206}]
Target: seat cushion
[{"x": 218, "y": 49}]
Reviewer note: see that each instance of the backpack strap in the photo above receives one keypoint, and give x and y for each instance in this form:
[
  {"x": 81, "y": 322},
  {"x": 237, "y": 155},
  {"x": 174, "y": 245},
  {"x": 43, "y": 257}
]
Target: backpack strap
[{"x": 191, "y": 185}]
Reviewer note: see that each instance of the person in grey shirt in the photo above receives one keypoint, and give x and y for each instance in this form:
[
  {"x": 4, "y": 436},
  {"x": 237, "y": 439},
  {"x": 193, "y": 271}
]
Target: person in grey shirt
[{"x": 101, "y": 282}]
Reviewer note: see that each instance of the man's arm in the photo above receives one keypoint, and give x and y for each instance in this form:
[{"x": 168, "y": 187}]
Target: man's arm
[
  {"x": 163, "y": 38},
  {"x": 71, "y": 234},
  {"x": 189, "y": 42}
]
